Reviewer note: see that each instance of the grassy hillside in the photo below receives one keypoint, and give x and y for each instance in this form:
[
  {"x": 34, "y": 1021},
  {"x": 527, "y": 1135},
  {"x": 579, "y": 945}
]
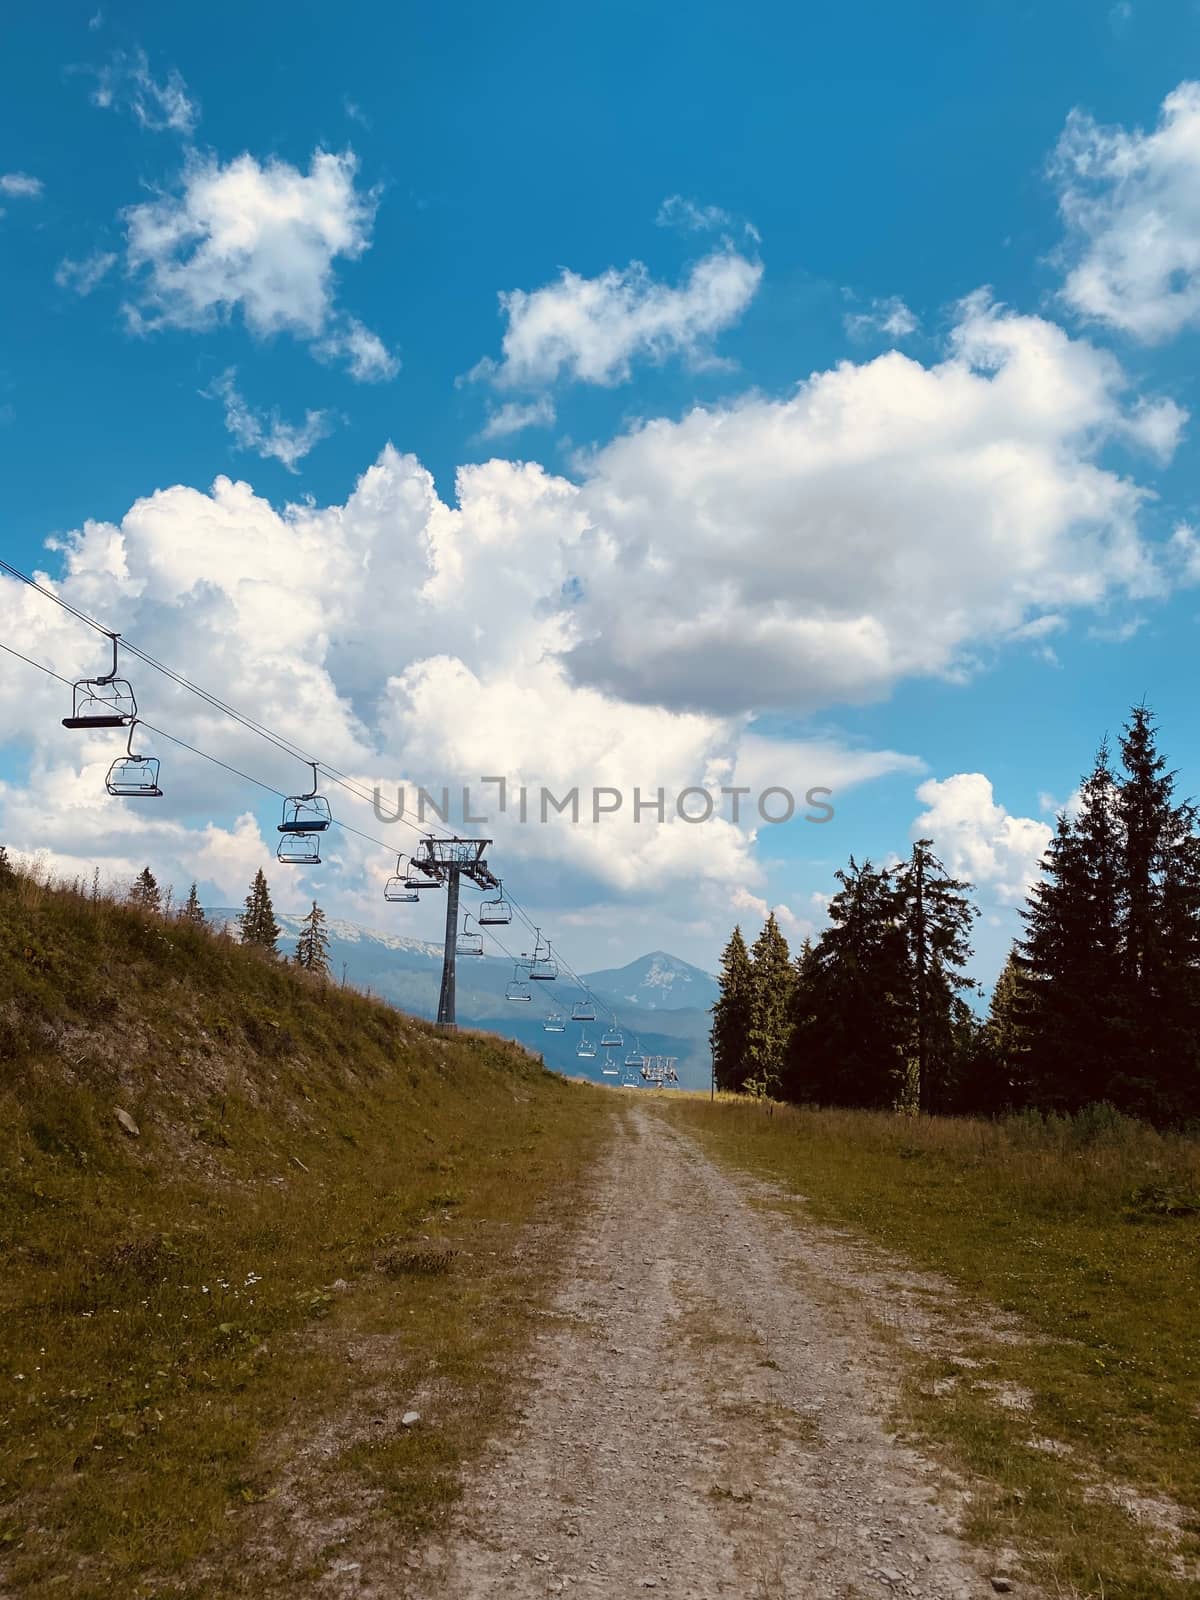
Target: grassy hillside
[
  {"x": 1082, "y": 1432},
  {"x": 247, "y": 1223}
]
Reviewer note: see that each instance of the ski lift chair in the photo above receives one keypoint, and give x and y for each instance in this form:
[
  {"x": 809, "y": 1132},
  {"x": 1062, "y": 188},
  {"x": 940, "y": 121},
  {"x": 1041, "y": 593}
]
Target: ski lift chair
[
  {"x": 305, "y": 818},
  {"x": 583, "y": 1011},
  {"x": 306, "y": 813},
  {"x": 612, "y": 1038},
  {"x": 399, "y": 889},
  {"x": 585, "y": 1048},
  {"x": 131, "y": 776},
  {"x": 468, "y": 943},
  {"x": 106, "y": 702},
  {"x": 555, "y": 1022},
  {"x": 517, "y": 988},
  {"x": 495, "y": 913},
  {"x": 610, "y": 1069},
  {"x": 542, "y": 966},
  {"x": 299, "y": 850}
]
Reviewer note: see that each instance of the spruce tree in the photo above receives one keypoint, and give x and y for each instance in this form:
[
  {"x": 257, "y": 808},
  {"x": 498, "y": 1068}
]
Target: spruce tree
[
  {"x": 8, "y": 874},
  {"x": 257, "y": 921},
  {"x": 144, "y": 893},
  {"x": 192, "y": 911},
  {"x": 1007, "y": 1040},
  {"x": 312, "y": 948},
  {"x": 729, "y": 1035},
  {"x": 805, "y": 1000},
  {"x": 1068, "y": 960},
  {"x": 770, "y": 1009},
  {"x": 850, "y": 1047},
  {"x": 1156, "y": 1069},
  {"x": 1110, "y": 963},
  {"x": 937, "y": 917}
]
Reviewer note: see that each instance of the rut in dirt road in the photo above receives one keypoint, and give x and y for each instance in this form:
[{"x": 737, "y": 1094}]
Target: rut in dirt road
[{"x": 704, "y": 1420}]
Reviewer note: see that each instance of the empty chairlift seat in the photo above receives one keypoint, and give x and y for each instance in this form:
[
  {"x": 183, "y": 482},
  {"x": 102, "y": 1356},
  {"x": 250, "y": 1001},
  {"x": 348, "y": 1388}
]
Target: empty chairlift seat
[
  {"x": 398, "y": 889},
  {"x": 305, "y": 819},
  {"x": 133, "y": 776},
  {"x": 542, "y": 966},
  {"x": 106, "y": 702},
  {"x": 517, "y": 989},
  {"x": 496, "y": 912}
]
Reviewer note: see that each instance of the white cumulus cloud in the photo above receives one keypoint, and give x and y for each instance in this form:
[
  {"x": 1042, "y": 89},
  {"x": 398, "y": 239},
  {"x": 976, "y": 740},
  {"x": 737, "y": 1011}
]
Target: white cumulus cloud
[
  {"x": 592, "y": 330},
  {"x": 883, "y": 522},
  {"x": 259, "y": 239},
  {"x": 978, "y": 839},
  {"x": 1131, "y": 203},
  {"x": 288, "y": 614},
  {"x": 888, "y": 519}
]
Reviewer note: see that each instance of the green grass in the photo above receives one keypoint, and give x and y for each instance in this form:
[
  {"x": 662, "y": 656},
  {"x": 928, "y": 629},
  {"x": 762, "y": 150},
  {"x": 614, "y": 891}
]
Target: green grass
[
  {"x": 210, "y": 1331},
  {"x": 1088, "y": 1232}
]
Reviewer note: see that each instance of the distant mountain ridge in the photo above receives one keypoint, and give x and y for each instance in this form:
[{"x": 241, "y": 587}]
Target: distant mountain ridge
[
  {"x": 659, "y": 981},
  {"x": 665, "y": 999}
]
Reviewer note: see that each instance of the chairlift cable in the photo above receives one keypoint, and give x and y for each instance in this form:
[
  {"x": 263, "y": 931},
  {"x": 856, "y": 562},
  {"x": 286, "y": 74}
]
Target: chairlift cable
[
  {"x": 280, "y": 741},
  {"x": 29, "y": 661},
  {"x": 253, "y": 726},
  {"x": 564, "y": 964}
]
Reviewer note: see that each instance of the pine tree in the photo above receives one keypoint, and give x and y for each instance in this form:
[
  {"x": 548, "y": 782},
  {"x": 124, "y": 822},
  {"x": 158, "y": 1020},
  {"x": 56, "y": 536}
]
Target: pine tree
[
  {"x": 729, "y": 1036},
  {"x": 974, "y": 1086},
  {"x": 257, "y": 921},
  {"x": 1070, "y": 984},
  {"x": 144, "y": 892},
  {"x": 850, "y": 1045},
  {"x": 1156, "y": 1070},
  {"x": 1007, "y": 1039},
  {"x": 805, "y": 999},
  {"x": 937, "y": 918},
  {"x": 8, "y": 874},
  {"x": 192, "y": 911},
  {"x": 1110, "y": 963},
  {"x": 312, "y": 948},
  {"x": 770, "y": 1009}
]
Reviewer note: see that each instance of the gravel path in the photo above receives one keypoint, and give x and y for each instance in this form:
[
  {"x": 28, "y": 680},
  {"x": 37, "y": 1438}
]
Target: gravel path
[{"x": 706, "y": 1415}]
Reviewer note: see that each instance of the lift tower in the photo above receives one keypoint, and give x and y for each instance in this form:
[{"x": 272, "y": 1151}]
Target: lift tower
[{"x": 446, "y": 862}]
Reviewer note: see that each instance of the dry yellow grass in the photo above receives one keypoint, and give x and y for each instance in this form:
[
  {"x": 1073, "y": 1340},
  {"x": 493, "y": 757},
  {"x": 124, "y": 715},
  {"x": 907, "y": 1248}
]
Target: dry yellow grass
[{"x": 330, "y": 1214}]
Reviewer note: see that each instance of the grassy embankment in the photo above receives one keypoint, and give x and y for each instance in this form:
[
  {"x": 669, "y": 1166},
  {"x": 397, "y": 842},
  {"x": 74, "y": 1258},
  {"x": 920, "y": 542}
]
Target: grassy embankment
[
  {"x": 1089, "y": 1232},
  {"x": 210, "y": 1331}
]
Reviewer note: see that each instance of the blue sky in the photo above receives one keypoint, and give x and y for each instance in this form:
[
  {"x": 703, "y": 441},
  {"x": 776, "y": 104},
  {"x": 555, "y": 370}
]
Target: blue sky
[{"x": 804, "y": 192}]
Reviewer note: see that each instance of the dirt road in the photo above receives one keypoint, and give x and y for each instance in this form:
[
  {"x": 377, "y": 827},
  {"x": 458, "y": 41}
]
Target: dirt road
[{"x": 707, "y": 1415}]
